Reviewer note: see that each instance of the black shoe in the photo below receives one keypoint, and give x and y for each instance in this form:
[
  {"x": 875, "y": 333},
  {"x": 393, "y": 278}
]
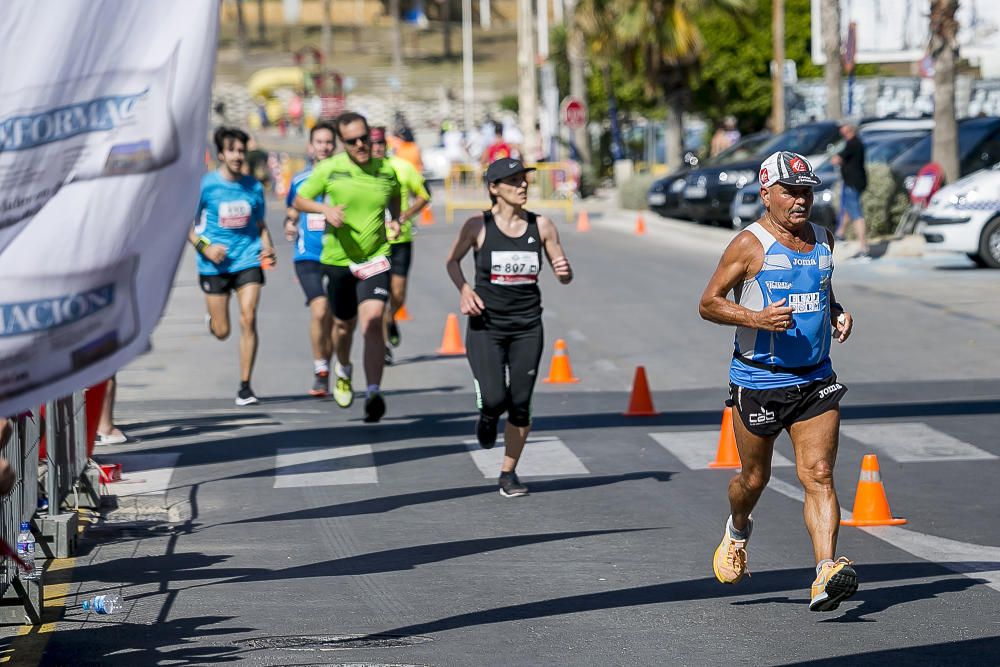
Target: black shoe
[
  {"x": 486, "y": 431},
  {"x": 374, "y": 408},
  {"x": 388, "y": 356},
  {"x": 245, "y": 396},
  {"x": 510, "y": 485},
  {"x": 394, "y": 336}
]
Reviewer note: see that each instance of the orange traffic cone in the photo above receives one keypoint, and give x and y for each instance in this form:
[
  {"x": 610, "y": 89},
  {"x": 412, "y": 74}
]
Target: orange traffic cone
[
  {"x": 451, "y": 342},
  {"x": 726, "y": 455},
  {"x": 426, "y": 217},
  {"x": 640, "y": 225},
  {"x": 640, "y": 403},
  {"x": 871, "y": 507},
  {"x": 560, "y": 372},
  {"x": 403, "y": 315},
  {"x": 583, "y": 222}
]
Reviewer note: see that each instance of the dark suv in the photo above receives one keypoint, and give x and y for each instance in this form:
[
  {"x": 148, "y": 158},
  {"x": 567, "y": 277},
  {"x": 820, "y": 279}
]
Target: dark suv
[
  {"x": 709, "y": 191},
  {"x": 978, "y": 148}
]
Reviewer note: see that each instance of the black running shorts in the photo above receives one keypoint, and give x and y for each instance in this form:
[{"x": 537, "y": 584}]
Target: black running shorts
[
  {"x": 766, "y": 412},
  {"x": 401, "y": 256},
  {"x": 223, "y": 283},
  {"x": 345, "y": 291},
  {"x": 310, "y": 275}
]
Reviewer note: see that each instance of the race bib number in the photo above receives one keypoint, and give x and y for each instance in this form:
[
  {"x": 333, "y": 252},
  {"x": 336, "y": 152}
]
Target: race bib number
[
  {"x": 370, "y": 268},
  {"x": 315, "y": 222},
  {"x": 234, "y": 214},
  {"x": 513, "y": 268},
  {"x": 804, "y": 303}
]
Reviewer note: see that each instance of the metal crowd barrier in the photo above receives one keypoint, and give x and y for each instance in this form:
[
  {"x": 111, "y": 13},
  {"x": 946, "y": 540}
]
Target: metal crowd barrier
[
  {"x": 553, "y": 186},
  {"x": 69, "y": 483},
  {"x": 20, "y": 599}
]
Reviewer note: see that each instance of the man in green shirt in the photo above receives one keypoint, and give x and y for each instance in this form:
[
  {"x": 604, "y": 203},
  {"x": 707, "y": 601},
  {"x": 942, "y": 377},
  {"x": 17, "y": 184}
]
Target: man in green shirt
[
  {"x": 357, "y": 190},
  {"x": 414, "y": 197}
]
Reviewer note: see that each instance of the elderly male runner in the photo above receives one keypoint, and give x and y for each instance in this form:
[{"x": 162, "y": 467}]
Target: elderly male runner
[{"x": 779, "y": 270}]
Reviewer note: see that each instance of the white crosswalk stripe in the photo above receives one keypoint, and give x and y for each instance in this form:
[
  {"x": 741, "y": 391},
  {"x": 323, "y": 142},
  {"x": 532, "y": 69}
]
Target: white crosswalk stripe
[
  {"x": 908, "y": 442},
  {"x": 330, "y": 466},
  {"x": 544, "y": 456},
  {"x": 695, "y": 449}
]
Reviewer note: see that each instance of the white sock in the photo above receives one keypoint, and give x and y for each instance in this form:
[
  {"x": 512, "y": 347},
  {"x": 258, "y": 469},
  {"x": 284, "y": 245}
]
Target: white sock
[
  {"x": 819, "y": 565},
  {"x": 372, "y": 389},
  {"x": 321, "y": 366},
  {"x": 343, "y": 371}
]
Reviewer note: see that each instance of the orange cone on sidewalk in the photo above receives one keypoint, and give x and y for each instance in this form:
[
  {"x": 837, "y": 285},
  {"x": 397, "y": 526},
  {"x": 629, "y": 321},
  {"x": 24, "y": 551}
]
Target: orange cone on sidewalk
[
  {"x": 403, "y": 315},
  {"x": 640, "y": 225},
  {"x": 871, "y": 507},
  {"x": 640, "y": 403},
  {"x": 426, "y": 217},
  {"x": 583, "y": 222},
  {"x": 560, "y": 372},
  {"x": 451, "y": 342}
]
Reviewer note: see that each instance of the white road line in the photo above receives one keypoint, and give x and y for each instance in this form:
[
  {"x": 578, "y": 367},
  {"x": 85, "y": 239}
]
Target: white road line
[
  {"x": 544, "y": 456},
  {"x": 576, "y": 334},
  {"x": 605, "y": 365},
  {"x": 973, "y": 560},
  {"x": 142, "y": 474},
  {"x": 695, "y": 449},
  {"x": 909, "y": 442},
  {"x": 310, "y": 466}
]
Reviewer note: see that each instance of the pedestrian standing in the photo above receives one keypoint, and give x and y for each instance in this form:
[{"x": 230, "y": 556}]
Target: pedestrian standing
[
  {"x": 504, "y": 334},
  {"x": 852, "y": 168},
  {"x": 781, "y": 378}
]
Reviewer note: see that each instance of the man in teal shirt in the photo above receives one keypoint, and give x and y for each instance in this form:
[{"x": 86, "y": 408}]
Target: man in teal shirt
[{"x": 357, "y": 189}]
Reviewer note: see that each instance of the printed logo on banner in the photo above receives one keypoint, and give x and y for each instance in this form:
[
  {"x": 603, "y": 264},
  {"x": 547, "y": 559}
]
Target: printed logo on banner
[{"x": 101, "y": 125}]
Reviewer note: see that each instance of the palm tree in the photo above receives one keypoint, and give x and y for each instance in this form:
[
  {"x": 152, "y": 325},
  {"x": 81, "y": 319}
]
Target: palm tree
[
  {"x": 241, "y": 29},
  {"x": 657, "y": 38},
  {"x": 327, "y": 32},
  {"x": 944, "y": 51}
]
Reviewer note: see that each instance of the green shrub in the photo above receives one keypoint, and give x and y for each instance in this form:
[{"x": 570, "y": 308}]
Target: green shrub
[
  {"x": 883, "y": 202},
  {"x": 632, "y": 193}
]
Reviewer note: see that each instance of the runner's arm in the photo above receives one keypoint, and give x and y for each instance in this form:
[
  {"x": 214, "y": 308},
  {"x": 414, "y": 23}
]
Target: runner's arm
[
  {"x": 393, "y": 226},
  {"x": 470, "y": 302},
  {"x": 554, "y": 250},
  {"x": 741, "y": 260}
]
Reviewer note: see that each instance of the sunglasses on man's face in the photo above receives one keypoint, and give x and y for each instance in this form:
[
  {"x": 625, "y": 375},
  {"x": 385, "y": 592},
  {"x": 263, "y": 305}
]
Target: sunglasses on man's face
[{"x": 354, "y": 141}]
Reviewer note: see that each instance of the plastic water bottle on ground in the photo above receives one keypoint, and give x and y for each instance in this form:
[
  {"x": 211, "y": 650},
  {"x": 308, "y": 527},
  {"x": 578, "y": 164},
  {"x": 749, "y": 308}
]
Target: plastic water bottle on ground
[
  {"x": 26, "y": 550},
  {"x": 103, "y": 604}
]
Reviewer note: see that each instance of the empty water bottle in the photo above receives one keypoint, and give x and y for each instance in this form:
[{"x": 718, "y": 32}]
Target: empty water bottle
[
  {"x": 103, "y": 604},
  {"x": 26, "y": 550}
]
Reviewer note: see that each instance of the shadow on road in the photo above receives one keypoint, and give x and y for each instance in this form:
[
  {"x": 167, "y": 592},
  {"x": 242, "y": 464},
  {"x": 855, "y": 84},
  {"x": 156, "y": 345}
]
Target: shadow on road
[
  {"x": 390, "y": 503},
  {"x": 970, "y": 652}
]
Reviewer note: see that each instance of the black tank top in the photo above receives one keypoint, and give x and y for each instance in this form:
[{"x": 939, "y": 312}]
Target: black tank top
[{"x": 507, "y": 275}]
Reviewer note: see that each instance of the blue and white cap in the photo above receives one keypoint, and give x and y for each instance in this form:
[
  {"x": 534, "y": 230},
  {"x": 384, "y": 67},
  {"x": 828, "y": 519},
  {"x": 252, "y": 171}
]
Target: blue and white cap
[{"x": 787, "y": 168}]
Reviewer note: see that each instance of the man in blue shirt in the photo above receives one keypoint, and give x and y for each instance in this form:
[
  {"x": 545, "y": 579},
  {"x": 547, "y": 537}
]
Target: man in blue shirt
[
  {"x": 779, "y": 270},
  {"x": 306, "y": 230},
  {"x": 231, "y": 237}
]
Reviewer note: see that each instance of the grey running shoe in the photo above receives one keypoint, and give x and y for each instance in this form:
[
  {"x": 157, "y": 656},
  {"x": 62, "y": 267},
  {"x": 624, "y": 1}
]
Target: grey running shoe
[{"x": 510, "y": 485}]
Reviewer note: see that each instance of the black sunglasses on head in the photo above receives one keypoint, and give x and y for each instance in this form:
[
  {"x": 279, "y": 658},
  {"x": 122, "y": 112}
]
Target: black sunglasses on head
[{"x": 355, "y": 140}]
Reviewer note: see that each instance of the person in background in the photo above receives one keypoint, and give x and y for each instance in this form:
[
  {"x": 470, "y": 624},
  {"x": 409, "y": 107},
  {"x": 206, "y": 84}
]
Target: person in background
[
  {"x": 852, "y": 168},
  {"x": 107, "y": 432}
]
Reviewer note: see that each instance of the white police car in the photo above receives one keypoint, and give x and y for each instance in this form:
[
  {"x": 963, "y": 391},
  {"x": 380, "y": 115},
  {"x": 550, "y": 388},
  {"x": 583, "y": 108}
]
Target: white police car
[{"x": 965, "y": 217}]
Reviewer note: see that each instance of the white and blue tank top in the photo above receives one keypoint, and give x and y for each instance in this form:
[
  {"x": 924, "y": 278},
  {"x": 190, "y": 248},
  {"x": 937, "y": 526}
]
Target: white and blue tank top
[{"x": 770, "y": 359}]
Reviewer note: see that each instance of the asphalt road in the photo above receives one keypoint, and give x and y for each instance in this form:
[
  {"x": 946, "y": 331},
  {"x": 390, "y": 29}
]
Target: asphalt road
[{"x": 301, "y": 535}]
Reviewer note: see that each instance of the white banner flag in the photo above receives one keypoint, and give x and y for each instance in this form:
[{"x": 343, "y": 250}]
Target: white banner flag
[{"x": 103, "y": 122}]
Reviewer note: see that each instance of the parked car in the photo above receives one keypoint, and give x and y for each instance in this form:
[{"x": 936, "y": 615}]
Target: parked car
[
  {"x": 884, "y": 140},
  {"x": 965, "y": 217},
  {"x": 978, "y": 148},
  {"x": 664, "y": 196},
  {"x": 709, "y": 191}
]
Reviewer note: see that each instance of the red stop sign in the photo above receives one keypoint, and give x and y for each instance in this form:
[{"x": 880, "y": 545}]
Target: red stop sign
[{"x": 574, "y": 113}]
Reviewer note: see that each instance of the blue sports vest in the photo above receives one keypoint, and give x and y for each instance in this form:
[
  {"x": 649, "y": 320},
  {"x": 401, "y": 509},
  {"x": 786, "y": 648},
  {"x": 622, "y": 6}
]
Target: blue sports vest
[{"x": 801, "y": 354}]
